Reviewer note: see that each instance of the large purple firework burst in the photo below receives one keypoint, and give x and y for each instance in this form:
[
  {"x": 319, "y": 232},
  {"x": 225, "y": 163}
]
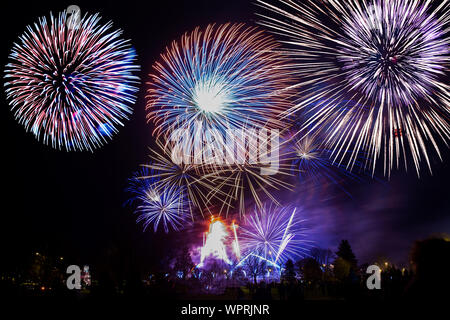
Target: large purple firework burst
[
  {"x": 380, "y": 69},
  {"x": 71, "y": 84},
  {"x": 274, "y": 234}
]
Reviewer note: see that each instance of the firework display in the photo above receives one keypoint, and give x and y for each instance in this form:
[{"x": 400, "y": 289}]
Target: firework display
[
  {"x": 69, "y": 84},
  {"x": 274, "y": 233},
  {"x": 265, "y": 239},
  {"x": 224, "y": 77},
  {"x": 293, "y": 152},
  {"x": 253, "y": 171},
  {"x": 192, "y": 179},
  {"x": 379, "y": 69},
  {"x": 215, "y": 98},
  {"x": 157, "y": 205},
  {"x": 235, "y": 183}
]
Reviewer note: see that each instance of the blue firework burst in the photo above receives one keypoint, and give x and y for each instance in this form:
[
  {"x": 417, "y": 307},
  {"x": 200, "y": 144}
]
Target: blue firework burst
[
  {"x": 158, "y": 204},
  {"x": 226, "y": 76},
  {"x": 274, "y": 233}
]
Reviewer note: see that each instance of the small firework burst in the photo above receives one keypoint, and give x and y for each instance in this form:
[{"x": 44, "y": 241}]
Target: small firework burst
[
  {"x": 157, "y": 206},
  {"x": 190, "y": 177},
  {"x": 71, "y": 85},
  {"x": 258, "y": 171},
  {"x": 234, "y": 182},
  {"x": 313, "y": 164}
]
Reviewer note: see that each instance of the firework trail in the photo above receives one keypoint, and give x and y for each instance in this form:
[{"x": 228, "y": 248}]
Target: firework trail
[
  {"x": 216, "y": 184},
  {"x": 236, "y": 181},
  {"x": 191, "y": 178},
  {"x": 236, "y": 246},
  {"x": 250, "y": 177},
  {"x": 380, "y": 70},
  {"x": 71, "y": 86},
  {"x": 155, "y": 205},
  {"x": 274, "y": 233},
  {"x": 225, "y": 76}
]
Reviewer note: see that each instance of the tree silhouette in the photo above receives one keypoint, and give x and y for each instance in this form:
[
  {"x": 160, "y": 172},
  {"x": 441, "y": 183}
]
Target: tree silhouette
[
  {"x": 430, "y": 259},
  {"x": 345, "y": 252},
  {"x": 183, "y": 262},
  {"x": 254, "y": 267},
  {"x": 322, "y": 256},
  {"x": 289, "y": 271},
  {"x": 341, "y": 268},
  {"x": 309, "y": 269},
  {"x": 345, "y": 262}
]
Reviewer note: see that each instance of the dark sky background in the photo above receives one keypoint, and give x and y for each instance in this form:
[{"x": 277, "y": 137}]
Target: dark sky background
[{"x": 71, "y": 204}]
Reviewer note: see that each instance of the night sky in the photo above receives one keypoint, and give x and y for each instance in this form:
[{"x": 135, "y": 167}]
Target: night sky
[{"x": 72, "y": 204}]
